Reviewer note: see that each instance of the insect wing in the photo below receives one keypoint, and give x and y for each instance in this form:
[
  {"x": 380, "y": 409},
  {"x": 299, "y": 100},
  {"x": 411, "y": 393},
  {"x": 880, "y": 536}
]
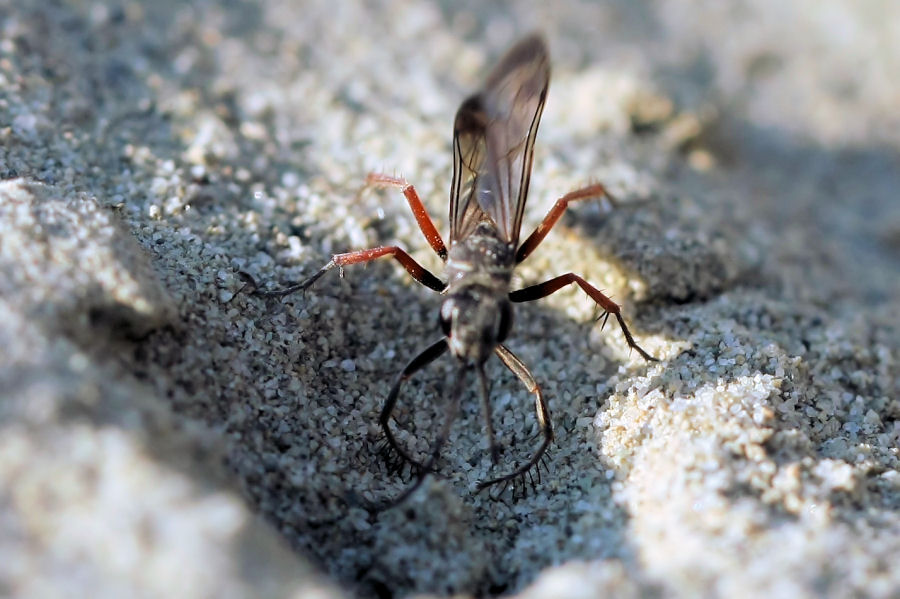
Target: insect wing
[
  {"x": 469, "y": 157},
  {"x": 493, "y": 143}
]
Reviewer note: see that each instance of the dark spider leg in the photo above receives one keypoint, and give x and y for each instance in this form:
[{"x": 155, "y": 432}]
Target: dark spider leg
[
  {"x": 443, "y": 434},
  {"x": 543, "y": 415},
  {"x": 394, "y": 463},
  {"x": 428, "y": 356},
  {"x": 553, "y": 285}
]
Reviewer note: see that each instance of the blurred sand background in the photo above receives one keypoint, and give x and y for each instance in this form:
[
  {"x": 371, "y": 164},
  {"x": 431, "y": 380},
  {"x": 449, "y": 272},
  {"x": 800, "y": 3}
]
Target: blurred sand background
[{"x": 164, "y": 435}]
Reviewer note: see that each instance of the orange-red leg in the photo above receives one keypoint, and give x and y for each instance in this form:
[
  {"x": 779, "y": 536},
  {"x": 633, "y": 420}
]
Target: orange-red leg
[
  {"x": 418, "y": 209},
  {"x": 592, "y": 191},
  {"x": 418, "y": 272}
]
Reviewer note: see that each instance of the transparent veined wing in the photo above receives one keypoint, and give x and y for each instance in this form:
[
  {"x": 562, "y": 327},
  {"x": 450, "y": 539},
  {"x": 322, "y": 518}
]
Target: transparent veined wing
[{"x": 493, "y": 143}]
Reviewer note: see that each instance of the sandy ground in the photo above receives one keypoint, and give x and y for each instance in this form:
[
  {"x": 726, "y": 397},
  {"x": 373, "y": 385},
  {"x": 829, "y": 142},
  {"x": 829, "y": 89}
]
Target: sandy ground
[{"x": 166, "y": 434}]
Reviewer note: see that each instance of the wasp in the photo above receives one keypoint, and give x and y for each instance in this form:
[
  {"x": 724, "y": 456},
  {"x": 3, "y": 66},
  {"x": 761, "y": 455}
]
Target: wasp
[{"x": 493, "y": 149}]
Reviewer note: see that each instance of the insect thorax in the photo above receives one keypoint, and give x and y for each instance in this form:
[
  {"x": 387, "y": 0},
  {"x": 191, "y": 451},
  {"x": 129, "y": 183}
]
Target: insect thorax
[
  {"x": 481, "y": 257},
  {"x": 477, "y": 313}
]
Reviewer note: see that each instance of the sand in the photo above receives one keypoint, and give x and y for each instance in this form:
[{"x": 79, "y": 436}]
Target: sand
[{"x": 164, "y": 432}]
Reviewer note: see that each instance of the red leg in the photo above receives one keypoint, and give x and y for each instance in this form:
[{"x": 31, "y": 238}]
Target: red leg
[
  {"x": 553, "y": 285},
  {"x": 418, "y": 272},
  {"x": 592, "y": 191},
  {"x": 418, "y": 209}
]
